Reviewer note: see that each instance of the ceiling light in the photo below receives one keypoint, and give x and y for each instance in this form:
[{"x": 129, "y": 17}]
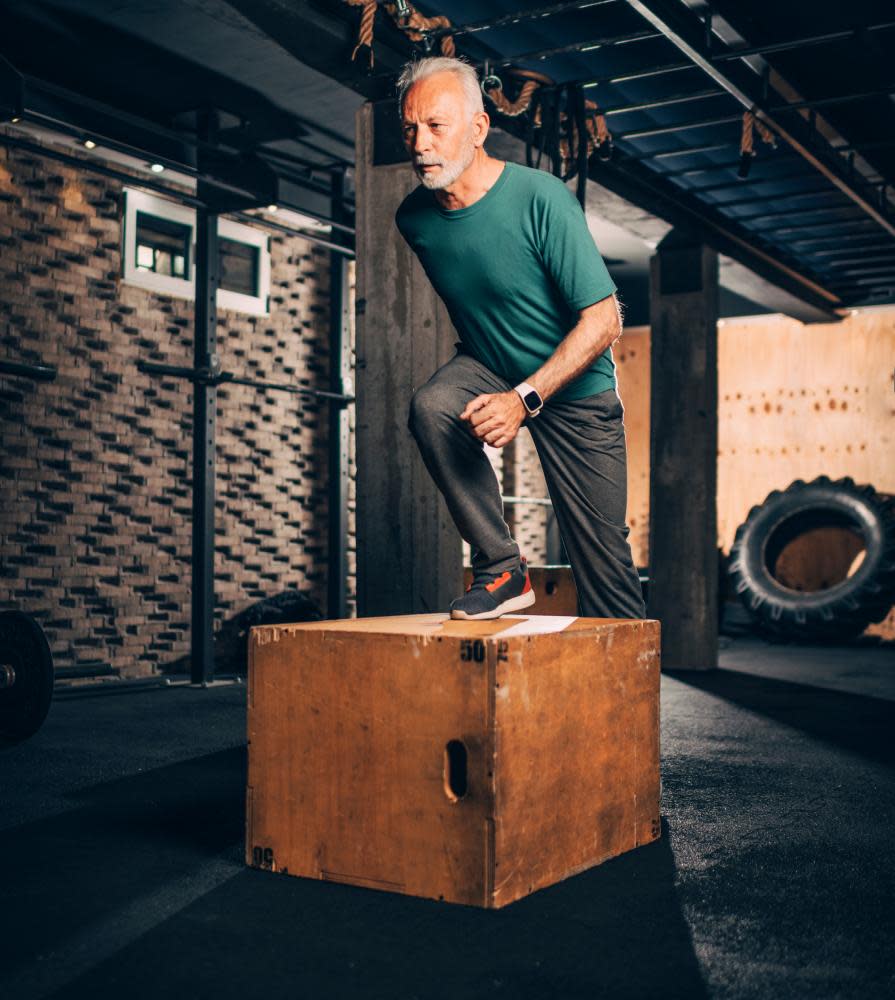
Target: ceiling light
[
  {"x": 15, "y": 119},
  {"x": 272, "y": 208},
  {"x": 89, "y": 144},
  {"x": 156, "y": 168}
]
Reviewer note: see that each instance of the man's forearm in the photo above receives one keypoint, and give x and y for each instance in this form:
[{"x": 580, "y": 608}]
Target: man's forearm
[{"x": 598, "y": 327}]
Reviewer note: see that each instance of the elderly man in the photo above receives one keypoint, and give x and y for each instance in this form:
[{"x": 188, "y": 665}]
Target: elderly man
[{"x": 508, "y": 250}]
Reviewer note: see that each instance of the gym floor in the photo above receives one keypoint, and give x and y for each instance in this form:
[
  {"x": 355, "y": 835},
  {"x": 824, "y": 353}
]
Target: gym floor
[{"x": 122, "y": 830}]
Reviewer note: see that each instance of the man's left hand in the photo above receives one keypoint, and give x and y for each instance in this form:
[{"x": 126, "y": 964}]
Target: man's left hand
[{"x": 495, "y": 418}]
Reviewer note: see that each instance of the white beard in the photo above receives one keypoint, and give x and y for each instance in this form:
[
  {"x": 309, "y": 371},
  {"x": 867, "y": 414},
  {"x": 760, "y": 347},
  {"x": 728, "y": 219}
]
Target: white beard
[{"x": 450, "y": 169}]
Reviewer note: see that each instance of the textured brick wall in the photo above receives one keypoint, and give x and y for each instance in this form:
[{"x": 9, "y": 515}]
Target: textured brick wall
[{"x": 95, "y": 473}]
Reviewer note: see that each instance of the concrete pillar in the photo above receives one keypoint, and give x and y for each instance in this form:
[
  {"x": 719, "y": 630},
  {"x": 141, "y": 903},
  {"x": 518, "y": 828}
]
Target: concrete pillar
[
  {"x": 408, "y": 550},
  {"x": 683, "y": 557}
]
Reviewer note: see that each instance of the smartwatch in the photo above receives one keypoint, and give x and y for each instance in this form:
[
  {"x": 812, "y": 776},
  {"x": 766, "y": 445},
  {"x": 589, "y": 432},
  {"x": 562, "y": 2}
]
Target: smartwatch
[{"x": 531, "y": 398}]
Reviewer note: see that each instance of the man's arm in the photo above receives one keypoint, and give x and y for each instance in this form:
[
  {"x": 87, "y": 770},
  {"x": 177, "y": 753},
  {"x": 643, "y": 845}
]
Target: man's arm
[{"x": 496, "y": 417}]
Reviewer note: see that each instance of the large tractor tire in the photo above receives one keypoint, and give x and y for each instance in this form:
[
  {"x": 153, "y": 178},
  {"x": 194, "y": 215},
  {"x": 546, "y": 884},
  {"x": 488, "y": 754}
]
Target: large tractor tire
[{"x": 817, "y": 560}]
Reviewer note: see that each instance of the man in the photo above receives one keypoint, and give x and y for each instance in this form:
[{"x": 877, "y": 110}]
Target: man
[{"x": 508, "y": 250}]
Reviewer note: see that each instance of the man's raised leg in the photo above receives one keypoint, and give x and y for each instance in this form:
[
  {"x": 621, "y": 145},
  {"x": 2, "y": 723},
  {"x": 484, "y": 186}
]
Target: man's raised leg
[{"x": 457, "y": 462}]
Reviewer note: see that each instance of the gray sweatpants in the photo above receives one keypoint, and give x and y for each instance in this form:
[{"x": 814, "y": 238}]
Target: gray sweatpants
[{"x": 581, "y": 445}]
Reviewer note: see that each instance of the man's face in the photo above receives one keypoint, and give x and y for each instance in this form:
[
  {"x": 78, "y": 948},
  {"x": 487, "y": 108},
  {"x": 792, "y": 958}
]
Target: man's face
[{"x": 439, "y": 132}]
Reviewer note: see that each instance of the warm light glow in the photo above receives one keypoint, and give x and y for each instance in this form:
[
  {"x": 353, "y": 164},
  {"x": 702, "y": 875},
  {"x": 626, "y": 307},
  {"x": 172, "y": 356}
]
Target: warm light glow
[
  {"x": 89, "y": 144},
  {"x": 156, "y": 168},
  {"x": 272, "y": 208},
  {"x": 16, "y": 119}
]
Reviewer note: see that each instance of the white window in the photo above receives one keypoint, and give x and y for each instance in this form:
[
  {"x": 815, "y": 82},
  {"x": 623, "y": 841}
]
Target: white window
[{"x": 159, "y": 253}]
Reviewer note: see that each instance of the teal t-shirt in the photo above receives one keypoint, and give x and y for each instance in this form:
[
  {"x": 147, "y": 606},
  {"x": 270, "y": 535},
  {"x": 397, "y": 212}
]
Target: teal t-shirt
[{"x": 514, "y": 268}]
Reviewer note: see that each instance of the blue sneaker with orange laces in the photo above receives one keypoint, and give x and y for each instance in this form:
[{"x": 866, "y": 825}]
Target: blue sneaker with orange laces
[{"x": 493, "y": 596}]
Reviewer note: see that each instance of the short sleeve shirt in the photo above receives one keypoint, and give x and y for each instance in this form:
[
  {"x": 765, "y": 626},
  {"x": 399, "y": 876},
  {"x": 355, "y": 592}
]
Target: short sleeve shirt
[{"x": 514, "y": 268}]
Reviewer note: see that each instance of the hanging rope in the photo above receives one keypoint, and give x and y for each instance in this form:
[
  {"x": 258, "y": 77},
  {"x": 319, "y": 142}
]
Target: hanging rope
[
  {"x": 415, "y": 25},
  {"x": 598, "y": 137},
  {"x": 747, "y": 152},
  {"x": 513, "y": 108},
  {"x": 492, "y": 85}
]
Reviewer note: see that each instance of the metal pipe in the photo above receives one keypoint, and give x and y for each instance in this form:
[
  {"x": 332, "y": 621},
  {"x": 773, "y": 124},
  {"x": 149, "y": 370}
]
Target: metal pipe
[
  {"x": 798, "y": 43},
  {"x": 339, "y": 374},
  {"x": 637, "y": 75},
  {"x": 682, "y": 127},
  {"x": 296, "y": 231},
  {"x": 833, "y": 258},
  {"x": 771, "y": 196},
  {"x": 588, "y": 46},
  {"x": 838, "y": 240},
  {"x": 206, "y": 376},
  {"x": 518, "y": 17},
  {"x": 667, "y": 154},
  {"x": 779, "y": 154},
  {"x": 664, "y": 102},
  {"x": 784, "y": 213},
  {"x": 537, "y": 501},
  {"x": 204, "y": 406},
  {"x": 753, "y": 181},
  {"x": 828, "y": 101},
  {"x": 818, "y": 225}
]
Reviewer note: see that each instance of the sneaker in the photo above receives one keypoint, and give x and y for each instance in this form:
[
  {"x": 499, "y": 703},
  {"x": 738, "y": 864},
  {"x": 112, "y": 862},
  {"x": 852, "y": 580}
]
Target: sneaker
[{"x": 493, "y": 596}]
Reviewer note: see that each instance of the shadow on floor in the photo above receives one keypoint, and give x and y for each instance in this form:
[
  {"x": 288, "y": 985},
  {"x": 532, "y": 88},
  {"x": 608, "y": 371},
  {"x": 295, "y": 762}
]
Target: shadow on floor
[
  {"x": 615, "y": 930},
  {"x": 68, "y": 871},
  {"x": 274, "y": 935},
  {"x": 852, "y": 722}
]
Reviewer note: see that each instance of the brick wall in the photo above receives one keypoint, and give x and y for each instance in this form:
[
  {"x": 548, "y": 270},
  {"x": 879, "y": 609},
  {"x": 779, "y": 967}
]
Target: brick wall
[{"x": 95, "y": 479}]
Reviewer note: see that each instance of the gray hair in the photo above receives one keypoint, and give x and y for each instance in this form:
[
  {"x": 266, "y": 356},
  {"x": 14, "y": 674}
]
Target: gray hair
[{"x": 421, "y": 69}]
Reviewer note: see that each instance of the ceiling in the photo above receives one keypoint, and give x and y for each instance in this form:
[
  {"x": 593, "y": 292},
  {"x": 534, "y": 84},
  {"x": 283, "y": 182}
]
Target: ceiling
[{"x": 810, "y": 231}]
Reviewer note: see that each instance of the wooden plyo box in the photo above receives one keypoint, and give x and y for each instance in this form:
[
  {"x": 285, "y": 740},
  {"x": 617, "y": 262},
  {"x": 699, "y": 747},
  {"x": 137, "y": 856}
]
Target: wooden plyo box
[{"x": 473, "y": 762}]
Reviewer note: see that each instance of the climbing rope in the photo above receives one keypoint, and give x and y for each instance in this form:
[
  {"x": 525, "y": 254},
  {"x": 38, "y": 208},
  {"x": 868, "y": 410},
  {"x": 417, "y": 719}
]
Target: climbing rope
[
  {"x": 747, "y": 152},
  {"x": 415, "y": 25}
]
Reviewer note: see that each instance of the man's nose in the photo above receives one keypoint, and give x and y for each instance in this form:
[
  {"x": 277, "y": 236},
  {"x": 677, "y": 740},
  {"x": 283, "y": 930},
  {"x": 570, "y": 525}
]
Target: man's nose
[{"x": 421, "y": 139}]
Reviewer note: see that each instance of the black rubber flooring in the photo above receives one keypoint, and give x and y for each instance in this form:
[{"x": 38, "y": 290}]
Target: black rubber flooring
[{"x": 122, "y": 875}]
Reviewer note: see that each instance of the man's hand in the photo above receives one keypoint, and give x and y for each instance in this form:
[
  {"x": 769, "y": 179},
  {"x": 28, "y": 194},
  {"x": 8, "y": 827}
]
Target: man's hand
[{"x": 495, "y": 418}]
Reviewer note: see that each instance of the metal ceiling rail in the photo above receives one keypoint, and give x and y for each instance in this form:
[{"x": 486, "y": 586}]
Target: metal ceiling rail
[
  {"x": 794, "y": 213},
  {"x": 641, "y": 74},
  {"x": 853, "y": 260},
  {"x": 665, "y": 154},
  {"x": 760, "y": 163},
  {"x": 680, "y": 127},
  {"x": 798, "y": 43},
  {"x": 752, "y": 181},
  {"x": 518, "y": 17},
  {"x": 696, "y": 95},
  {"x": 823, "y": 102},
  {"x": 881, "y": 268},
  {"x": 539, "y": 55},
  {"x": 838, "y": 240},
  {"x": 815, "y": 225},
  {"x": 773, "y": 197},
  {"x": 688, "y": 32}
]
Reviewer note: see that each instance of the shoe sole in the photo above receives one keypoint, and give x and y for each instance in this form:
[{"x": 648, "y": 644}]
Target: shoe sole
[{"x": 513, "y": 604}]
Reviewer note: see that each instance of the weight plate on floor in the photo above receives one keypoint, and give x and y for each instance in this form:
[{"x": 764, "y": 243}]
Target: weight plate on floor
[{"x": 26, "y": 676}]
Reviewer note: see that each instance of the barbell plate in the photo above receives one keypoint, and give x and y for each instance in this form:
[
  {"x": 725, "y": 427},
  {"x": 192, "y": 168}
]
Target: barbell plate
[{"x": 25, "y": 703}]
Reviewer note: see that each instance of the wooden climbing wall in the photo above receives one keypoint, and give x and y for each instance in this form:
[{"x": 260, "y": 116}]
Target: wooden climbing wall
[{"x": 795, "y": 402}]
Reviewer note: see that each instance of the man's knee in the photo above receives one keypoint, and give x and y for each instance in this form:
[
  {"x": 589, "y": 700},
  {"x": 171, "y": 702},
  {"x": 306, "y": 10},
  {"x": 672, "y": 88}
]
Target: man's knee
[{"x": 428, "y": 405}]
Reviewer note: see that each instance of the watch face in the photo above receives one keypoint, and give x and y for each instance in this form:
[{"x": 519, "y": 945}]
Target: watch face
[{"x": 532, "y": 400}]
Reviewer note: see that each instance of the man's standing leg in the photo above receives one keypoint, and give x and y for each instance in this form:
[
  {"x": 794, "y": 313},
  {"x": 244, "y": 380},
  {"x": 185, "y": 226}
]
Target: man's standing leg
[
  {"x": 457, "y": 462},
  {"x": 581, "y": 445}
]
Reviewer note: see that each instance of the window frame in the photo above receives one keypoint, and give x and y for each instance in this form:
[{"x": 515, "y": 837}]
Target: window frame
[{"x": 185, "y": 288}]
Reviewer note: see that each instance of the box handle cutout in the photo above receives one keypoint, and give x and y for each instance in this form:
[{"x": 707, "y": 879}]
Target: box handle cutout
[{"x": 455, "y": 779}]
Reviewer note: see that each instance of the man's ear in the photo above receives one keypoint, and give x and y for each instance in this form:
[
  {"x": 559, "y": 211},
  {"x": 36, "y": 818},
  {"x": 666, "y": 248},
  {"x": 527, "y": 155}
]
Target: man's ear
[{"x": 481, "y": 124}]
